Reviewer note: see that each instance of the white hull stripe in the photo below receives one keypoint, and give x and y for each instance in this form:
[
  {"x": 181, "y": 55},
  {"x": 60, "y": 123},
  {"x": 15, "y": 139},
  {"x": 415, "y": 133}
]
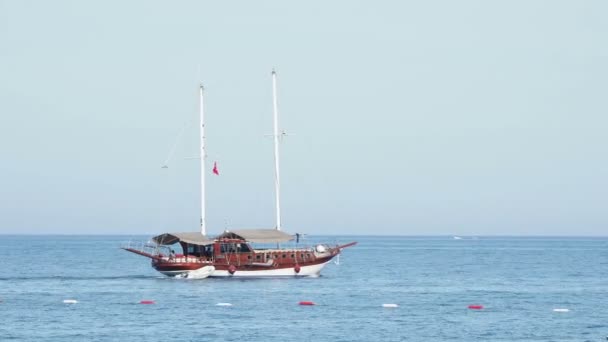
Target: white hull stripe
[{"x": 305, "y": 271}]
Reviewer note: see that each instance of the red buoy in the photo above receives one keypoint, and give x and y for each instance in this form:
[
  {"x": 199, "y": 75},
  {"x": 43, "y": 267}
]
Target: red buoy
[
  {"x": 307, "y": 303},
  {"x": 145, "y": 301},
  {"x": 475, "y": 307},
  {"x": 297, "y": 268},
  {"x": 231, "y": 269}
]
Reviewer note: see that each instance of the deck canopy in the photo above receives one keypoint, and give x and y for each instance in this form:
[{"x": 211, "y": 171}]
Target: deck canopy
[
  {"x": 195, "y": 238},
  {"x": 257, "y": 235}
]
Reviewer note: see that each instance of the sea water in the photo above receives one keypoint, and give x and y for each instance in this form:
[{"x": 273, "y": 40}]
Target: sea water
[{"x": 518, "y": 281}]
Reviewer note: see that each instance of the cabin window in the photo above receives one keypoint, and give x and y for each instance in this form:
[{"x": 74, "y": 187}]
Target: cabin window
[
  {"x": 292, "y": 256},
  {"x": 235, "y": 248},
  {"x": 257, "y": 257},
  {"x": 284, "y": 256},
  {"x": 302, "y": 256},
  {"x": 249, "y": 257},
  {"x": 243, "y": 247}
]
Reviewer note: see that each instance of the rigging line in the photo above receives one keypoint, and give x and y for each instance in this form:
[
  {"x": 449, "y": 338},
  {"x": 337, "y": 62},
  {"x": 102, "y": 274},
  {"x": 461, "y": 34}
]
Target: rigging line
[{"x": 172, "y": 151}]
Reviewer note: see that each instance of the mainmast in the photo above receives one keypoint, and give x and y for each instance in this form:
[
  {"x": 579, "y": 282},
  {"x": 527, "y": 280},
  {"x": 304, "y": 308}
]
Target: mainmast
[
  {"x": 203, "y": 157},
  {"x": 276, "y": 136}
]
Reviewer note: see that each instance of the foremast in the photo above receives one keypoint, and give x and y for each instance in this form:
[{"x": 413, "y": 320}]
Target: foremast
[
  {"x": 276, "y": 137},
  {"x": 203, "y": 157}
]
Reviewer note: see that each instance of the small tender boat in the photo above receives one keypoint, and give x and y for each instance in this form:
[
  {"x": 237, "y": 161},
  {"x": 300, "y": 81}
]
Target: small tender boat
[{"x": 231, "y": 253}]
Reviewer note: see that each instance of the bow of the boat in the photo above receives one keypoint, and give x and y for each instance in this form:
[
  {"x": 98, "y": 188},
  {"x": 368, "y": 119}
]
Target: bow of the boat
[
  {"x": 140, "y": 252},
  {"x": 350, "y": 244},
  {"x": 142, "y": 248}
]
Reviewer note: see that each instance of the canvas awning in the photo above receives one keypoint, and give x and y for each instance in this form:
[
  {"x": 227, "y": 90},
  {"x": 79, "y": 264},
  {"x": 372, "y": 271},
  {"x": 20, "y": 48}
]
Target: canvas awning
[
  {"x": 257, "y": 235},
  {"x": 195, "y": 238}
]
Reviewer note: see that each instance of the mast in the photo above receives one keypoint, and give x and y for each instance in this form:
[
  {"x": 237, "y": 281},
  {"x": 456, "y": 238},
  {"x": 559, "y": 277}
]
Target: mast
[
  {"x": 203, "y": 157},
  {"x": 277, "y": 184}
]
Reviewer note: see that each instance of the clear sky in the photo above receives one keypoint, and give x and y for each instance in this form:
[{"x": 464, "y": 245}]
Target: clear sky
[{"x": 406, "y": 117}]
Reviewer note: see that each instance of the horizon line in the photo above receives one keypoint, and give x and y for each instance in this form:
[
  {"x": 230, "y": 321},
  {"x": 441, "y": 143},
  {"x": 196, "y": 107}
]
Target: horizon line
[{"x": 362, "y": 235}]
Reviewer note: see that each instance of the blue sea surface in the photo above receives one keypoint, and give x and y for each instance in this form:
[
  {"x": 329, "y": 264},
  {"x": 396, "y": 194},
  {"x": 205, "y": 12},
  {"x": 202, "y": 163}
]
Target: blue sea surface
[{"x": 519, "y": 281}]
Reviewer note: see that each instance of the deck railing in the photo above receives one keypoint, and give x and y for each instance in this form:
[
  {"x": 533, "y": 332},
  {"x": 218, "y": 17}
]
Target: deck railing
[
  {"x": 145, "y": 247},
  {"x": 162, "y": 253}
]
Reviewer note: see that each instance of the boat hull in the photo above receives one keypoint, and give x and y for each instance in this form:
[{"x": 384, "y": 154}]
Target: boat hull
[
  {"x": 190, "y": 270},
  {"x": 305, "y": 271}
]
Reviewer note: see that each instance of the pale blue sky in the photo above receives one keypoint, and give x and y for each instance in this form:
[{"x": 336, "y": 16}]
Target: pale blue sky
[{"x": 408, "y": 117}]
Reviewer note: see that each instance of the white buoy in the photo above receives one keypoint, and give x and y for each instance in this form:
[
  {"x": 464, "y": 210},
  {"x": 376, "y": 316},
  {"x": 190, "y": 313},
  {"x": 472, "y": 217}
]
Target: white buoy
[
  {"x": 223, "y": 304},
  {"x": 561, "y": 310},
  {"x": 390, "y": 305},
  {"x": 70, "y": 301}
]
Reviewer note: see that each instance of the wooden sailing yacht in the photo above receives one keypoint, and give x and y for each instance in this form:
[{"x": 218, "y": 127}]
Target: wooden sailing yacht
[{"x": 232, "y": 253}]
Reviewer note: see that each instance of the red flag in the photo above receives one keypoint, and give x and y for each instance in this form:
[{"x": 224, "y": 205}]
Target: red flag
[{"x": 215, "y": 170}]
